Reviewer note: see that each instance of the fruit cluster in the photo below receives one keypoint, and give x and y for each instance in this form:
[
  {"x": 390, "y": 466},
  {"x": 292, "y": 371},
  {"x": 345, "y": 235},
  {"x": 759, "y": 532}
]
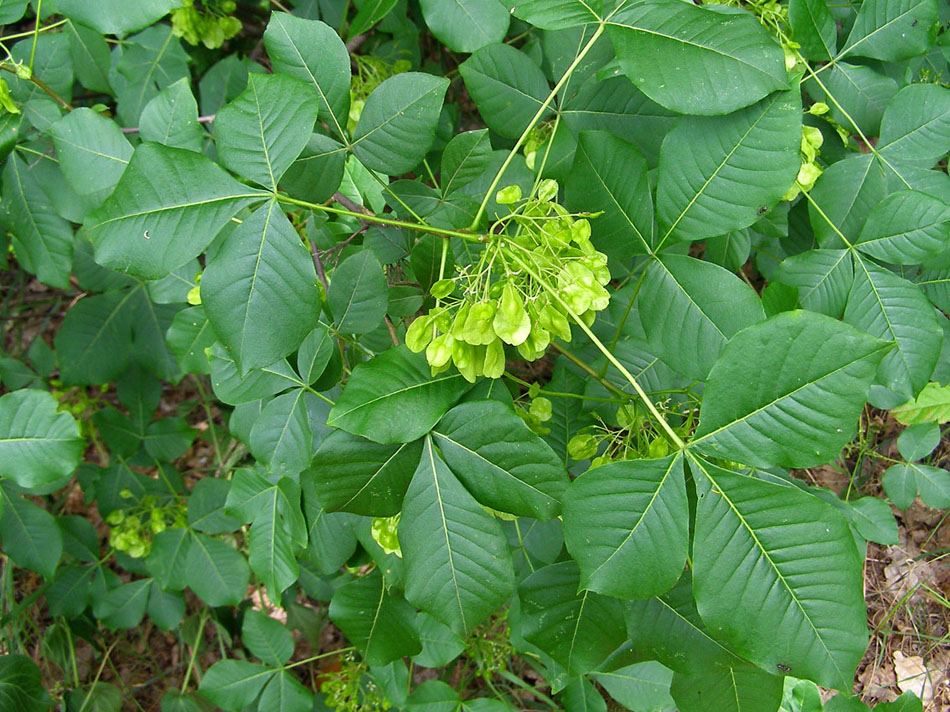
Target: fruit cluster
[
  {"x": 210, "y": 25},
  {"x": 538, "y": 271},
  {"x": 131, "y": 531}
]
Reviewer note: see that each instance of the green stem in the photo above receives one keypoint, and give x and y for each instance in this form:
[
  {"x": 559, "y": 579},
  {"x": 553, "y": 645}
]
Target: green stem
[
  {"x": 382, "y": 221},
  {"x": 21, "y": 35},
  {"x": 42, "y": 85},
  {"x": 661, "y": 421},
  {"x": 194, "y": 648},
  {"x": 537, "y": 117},
  {"x": 559, "y": 394},
  {"x": 847, "y": 116},
  {"x": 36, "y": 33}
]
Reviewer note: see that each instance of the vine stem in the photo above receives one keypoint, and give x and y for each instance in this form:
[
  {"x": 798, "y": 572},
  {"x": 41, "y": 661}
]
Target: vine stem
[
  {"x": 42, "y": 85},
  {"x": 470, "y": 237},
  {"x": 537, "y": 117},
  {"x": 661, "y": 421}
]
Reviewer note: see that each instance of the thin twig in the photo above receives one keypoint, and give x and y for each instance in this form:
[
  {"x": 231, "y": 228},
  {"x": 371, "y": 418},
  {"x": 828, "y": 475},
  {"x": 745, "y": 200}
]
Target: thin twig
[{"x": 201, "y": 120}]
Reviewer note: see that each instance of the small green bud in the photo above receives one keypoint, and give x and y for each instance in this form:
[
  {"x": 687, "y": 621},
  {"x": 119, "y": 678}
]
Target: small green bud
[
  {"x": 582, "y": 447},
  {"x": 419, "y": 334},
  {"x": 385, "y": 531},
  {"x": 125, "y": 493},
  {"x": 115, "y": 518},
  {"x": 511, "y": 322},
  {"x": 658, "y": 448},
  {"x": 541, "y": 409},
  {"x": 442, "y": 288},
  {"x": 494, "y": 365},
  {"x": 478, "y": 324},
  {"x": 439, "y": 351},
  {"x": 194, "y": 296},
  {"x": 819, "y": 108},
  {"x": 547, "y": 190},
  {"x": 508, "y": 195}
]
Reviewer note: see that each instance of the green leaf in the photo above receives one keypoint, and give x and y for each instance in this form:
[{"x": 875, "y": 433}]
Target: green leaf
[
  {"x": 206, "y": 507},
  {"x": 610, "y": 175},
  {"x": 578, "y": 629},
  {"x": 440, "y": 645},
  {"x": 318, "y": 172},
  {"x": 146, "y": 63},
  {"x": 718, "y": 174},
  {"x": 169, "y": 438},
  {"x": 708, "y": 303},
  {"x": 377, "y": 621},
  {"x": 279, "y": 529},
  {"x": 643, "y": 686},
  {"x": 500, "y": 460},
  {"x": 38, "y": 445},
  {"x": 744, "y": 688},
  {"x": 30, "y": 536},
  {"x": 855, "y": 94},
  {"x": 123, "y": 607},
  {"x": 465, "y": 158},
  {"x": 615, "y": 105},
  {"x": 626, "y": 525},
  {"x": 21, "y": 685},
  {"x": 167, "y": 561},
  {"x": 171, "y": 118},
  {"x": 557, "y": 14},
  {"x": 814, "y": 29},
  {"x": 281, "y": 436},
  {"x": 580, "y": 695},
  {"x": 903, "y": 481},
  {"x": 907, "y": 227},
  {"x": 11, "y": 11},
  {"x": 916, "y": 125},
  {"x": 873, "y": 520},
  {"x": 823, "y": 279},
  {"x": 90, "y": 55},
  {"x": 466, "y": 25},
  {"x": 788, "y": 562},
  {"x": 696, "y": 61},
  {"x": 165, "y": 608},
  {"x": 233, "y": 389},
  {"x": 42, "y": 240},
  {"x": 371, "y": 12},
  {"x": 931, "y": 405},
  {"x": 261, "y": 132},
  {"x": 433, "y": 696},
  {"x": 506, "y": 86},
  {"x": 115, "y": 17},
  {"x": 458, "y": 566},
  {"x": 267, "y": 639},
  {"x": 356, "y": 475},
  {"x": 166, "y": 209},
  {"x": 215, "y": 572},
  {"x": 260, "y": 291},
  {"x": 92, "y": 153},
  {"x": 358, "y": 294},
  {"x": 313, "y": 52},
  {"x": 234, "y": 684},
  {"x": 314, "y": 354},
  {"x": 188, "y": 337},
  {"x": 891, "y": 308},
  {"x": 893, "y": 30},
  {"x": 284, "y": 693},
  {"x": 398, "y": 122},
  {"x": 787, "y": 391},
  {"x": 393, "y": 398}
]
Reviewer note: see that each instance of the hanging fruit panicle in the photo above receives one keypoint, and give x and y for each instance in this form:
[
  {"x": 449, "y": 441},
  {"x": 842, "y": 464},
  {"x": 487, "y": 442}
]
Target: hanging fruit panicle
[{"x": 498, "y": 301}]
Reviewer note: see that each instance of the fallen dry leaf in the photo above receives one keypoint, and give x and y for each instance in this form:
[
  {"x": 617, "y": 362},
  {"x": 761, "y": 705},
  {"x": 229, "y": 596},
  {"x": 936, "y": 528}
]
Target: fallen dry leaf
[{"x": 913, "y": 676}]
